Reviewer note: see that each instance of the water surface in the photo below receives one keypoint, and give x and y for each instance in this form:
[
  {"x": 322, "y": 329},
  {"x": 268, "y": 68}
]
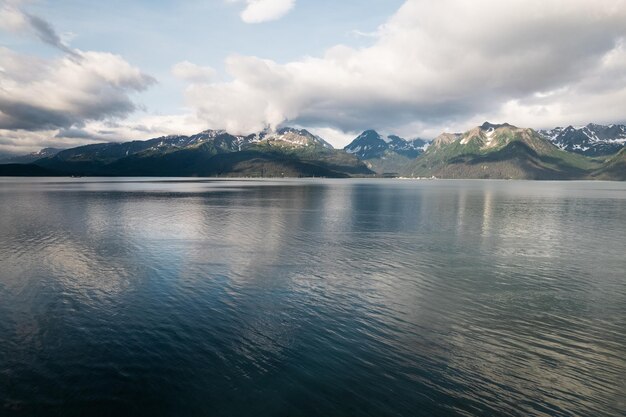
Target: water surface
[{"x": 312, "y": 298}]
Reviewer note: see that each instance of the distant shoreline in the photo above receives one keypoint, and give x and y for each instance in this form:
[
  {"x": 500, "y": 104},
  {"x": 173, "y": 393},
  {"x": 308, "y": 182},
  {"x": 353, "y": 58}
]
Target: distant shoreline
[{"x": 234, "y": 178}]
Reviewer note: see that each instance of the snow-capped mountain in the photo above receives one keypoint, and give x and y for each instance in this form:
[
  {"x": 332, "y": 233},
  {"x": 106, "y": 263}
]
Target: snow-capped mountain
[
  {"x": 499, "y": 151},
  {"x": 410, "y": 148},
  {"x": 590, "y": 140},
  {"x": 219, "y": 140},
  {"x": 367, "y": 145},
  {"x": 216, "y": 141},
  {"x": 370, "y": 144},
  {"x": 289, "y": 137},
  {"x": 282, "y": 152}
]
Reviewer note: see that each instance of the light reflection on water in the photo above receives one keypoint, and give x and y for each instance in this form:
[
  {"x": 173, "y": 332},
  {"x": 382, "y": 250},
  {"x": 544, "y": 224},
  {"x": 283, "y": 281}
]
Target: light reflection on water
[{"x": 312, "y": 297}]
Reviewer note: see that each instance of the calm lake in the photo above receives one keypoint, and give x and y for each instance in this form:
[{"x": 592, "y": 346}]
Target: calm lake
[{"x": 170, "y": 297}]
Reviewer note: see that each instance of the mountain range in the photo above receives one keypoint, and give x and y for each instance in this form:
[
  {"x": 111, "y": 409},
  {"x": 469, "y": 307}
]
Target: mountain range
[
  {"x": 486, "y": 151},
  {"x": 30, "y": 157},
  {"x": 500, "y": 151},
  {"x": 285, "y": 152},
  {"x": 590, "y": 140},
  {"x": 385, "y": 155}
]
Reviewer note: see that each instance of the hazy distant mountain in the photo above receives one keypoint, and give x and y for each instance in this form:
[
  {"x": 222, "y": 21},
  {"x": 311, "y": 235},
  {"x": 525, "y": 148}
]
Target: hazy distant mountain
[
  {"x": 385, "y": 155},
  {"x": 499, "y": 151},
  {"x": 370, "y": 144},
  {"x": 285, "y": 152},
  {"x": 590, "y": 140},
  {"x": 410, "y": 148},
  {"x": 31, "y": 157}
]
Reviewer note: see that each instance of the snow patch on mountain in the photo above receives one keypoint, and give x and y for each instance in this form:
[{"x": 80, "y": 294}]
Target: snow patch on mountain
[
  {"x": 591, "y": 140},
  {"x": 370, "y": 144}
]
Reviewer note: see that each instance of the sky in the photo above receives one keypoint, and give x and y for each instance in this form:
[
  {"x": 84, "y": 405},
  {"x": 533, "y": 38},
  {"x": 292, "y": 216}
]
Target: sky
[{"x": 74, "y": 72}]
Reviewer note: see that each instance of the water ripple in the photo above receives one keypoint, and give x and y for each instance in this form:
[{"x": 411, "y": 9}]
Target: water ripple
[{"x": 312, "y": 297}]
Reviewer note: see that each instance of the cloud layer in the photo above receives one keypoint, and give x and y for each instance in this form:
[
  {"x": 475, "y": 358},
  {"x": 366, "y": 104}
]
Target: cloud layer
[{"x": 438, "y": 65}]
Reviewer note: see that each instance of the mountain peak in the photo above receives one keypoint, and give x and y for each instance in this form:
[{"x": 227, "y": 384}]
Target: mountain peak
[
  {"x": 288, "y": 129},
  {"x": 370, "y": 134},
  {"x": 209, "y": 133},
  {"x": 489, "y": 126},
  {"x": 370, "y": 145},
  {"x": 292, "y": 137}
]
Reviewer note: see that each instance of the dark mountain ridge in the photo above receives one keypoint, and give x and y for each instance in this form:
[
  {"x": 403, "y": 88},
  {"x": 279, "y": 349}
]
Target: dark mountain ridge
[{"x": 285, "y": 152}]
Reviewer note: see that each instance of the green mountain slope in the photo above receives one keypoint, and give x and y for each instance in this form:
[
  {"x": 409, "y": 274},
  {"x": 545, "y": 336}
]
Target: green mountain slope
[
  {"x": 499, "y": 151},
  {"x": 613, "y": 169},
  {"x": 389, "y": 163}
]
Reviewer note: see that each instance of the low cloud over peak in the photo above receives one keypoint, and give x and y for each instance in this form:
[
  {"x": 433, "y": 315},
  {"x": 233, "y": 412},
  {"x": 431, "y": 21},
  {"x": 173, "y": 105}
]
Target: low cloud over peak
[{"x": 441, "y": 64}]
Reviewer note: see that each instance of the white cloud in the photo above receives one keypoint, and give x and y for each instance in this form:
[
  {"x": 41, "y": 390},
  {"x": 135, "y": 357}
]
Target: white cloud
[
  {"x": 144, "y": 126},
  {"x": 440, "y": 64},
  {"x": 432, "y": 66},
  {"x": 137, "y": 127},
  {"x": 335, "y": 137},
  {"x": 77, "y": 98},
  {"x": 193, "y": 73},
  {"x": 63, "y": 93},
  {"x": 14, "y": 19},
  {"x": 39, "y": 94},
  {"x": 258, "y": 11},
  {"x": 11, "y": 18}
]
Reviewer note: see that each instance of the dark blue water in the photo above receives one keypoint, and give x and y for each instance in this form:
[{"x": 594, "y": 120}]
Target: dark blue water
[{"x": 312, "y": 298}]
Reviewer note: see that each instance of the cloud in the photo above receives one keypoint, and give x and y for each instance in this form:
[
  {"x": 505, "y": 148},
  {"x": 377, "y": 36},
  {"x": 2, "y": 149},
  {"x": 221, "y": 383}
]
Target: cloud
[
  {"x": 14, "y": 19},
  {"x": 432, "y": 66},
  {"x": 439, "y": 65},
  {"x": 38, "y": 94},
  {"x": 46, "y": 33},
  {"x": 136, "y": 127},
  {"x": 11, "y": 17},
  {"x": 258, "y": 11},
  {"x": 193, "y": 73},
  {"x": 61, "y": 94}
]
